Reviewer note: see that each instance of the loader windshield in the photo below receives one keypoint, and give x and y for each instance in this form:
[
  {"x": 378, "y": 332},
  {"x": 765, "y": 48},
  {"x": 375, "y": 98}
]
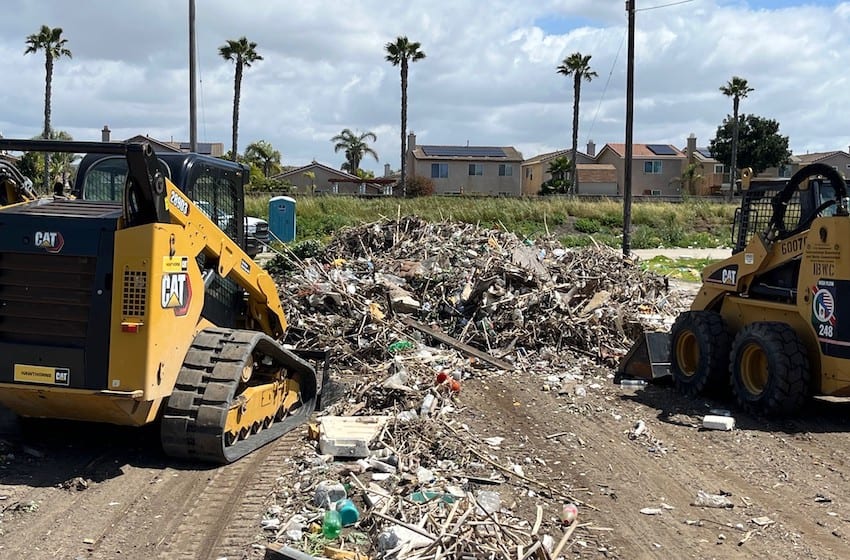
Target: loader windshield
[{"x": 104, "y": 180}]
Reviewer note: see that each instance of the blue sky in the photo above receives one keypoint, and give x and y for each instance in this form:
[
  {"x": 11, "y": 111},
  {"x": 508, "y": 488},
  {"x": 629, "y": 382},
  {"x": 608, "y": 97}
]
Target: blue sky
[{"x": 489, "y": 77}]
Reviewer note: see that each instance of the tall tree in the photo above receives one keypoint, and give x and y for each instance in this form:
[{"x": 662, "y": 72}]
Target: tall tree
[
  {"x": 263, "y": 154},
  {"x": 736, "y": 88},
  {"x": 356, "y": 148},
  {"x": 53, "y": 44},
  {"x": 759, "y": 144},
  {"x": 577, "y": 66},
  {"x": 243, "y": 53},
  {"x": 401, "y": 53}
]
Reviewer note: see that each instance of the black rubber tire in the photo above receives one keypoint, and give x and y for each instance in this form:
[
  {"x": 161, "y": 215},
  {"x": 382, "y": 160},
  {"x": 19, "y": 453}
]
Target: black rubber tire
[
  {"x": 770, "y": 369},
  {"x": 699, "y": 353}
]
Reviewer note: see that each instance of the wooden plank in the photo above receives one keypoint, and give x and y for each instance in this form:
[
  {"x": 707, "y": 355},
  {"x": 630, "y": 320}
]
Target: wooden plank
[{"x": 456, "y": 344}]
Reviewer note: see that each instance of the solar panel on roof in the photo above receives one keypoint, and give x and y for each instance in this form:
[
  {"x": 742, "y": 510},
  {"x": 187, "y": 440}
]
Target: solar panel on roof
[
  {"x": 463, "y": 151},
  {"x": 661, "y": 149},
  {"x": 705, "y": 152}
]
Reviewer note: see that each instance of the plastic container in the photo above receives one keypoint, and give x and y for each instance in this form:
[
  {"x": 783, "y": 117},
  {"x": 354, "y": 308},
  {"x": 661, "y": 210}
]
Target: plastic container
[
  {"x": 331, "y": 524},
  {"x": 427, "y": 405},
  {"x": 569, "y": 513},
  {"x": 328, "y": 493},
  {"x": 488, "y": 502},
  {"x": 348, "y": 512}
]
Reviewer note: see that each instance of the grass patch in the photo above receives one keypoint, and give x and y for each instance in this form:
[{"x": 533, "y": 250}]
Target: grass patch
[
  {"x": 688, "y": 269},
  {"x": 693, "y": 223}
]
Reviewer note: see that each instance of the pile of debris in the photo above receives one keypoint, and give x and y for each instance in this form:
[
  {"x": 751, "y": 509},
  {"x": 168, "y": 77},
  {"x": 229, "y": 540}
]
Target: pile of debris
[
  {"x": 487, "y": 289},
  {"x": 410, "y": 312}
]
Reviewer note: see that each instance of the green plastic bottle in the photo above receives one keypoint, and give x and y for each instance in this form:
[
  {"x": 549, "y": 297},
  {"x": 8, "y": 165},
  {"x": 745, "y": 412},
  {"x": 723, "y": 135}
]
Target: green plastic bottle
[{"x": 331, "y": 524}]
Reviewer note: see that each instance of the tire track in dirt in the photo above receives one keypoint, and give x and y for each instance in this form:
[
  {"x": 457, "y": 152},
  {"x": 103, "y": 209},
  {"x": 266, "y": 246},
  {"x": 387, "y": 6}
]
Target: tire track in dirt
[{"x": 223, "y": 519}]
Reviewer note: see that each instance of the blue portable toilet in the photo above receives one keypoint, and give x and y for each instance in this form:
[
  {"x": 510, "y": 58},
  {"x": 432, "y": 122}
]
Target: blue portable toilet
[{"x": 282, "y": 218}]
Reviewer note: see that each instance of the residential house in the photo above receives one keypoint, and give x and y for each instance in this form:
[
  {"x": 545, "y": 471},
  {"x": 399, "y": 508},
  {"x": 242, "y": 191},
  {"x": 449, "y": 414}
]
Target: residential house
[
  {"x": 838, "y": 159},
  {"x": 656, "y": 168},
  {"x": 214, "y": 149},
  {"x": 471, "y": 170},
  {"x": 708, "y": 176},
  {"x": 317, "y": 178},
  {"x": 535, "y": 170}
]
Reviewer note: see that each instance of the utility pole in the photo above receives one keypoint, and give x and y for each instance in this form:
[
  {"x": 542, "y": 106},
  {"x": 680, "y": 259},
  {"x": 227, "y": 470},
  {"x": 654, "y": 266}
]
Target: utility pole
[
  {"x": 193, "y": 116},
  {"x": 630, "y": 114}
]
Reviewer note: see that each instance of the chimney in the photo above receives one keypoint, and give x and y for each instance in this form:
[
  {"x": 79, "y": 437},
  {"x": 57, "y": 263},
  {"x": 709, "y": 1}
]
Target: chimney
[
  {"x": 104, "y": 134},
  {"x": 411, "y": 141},
  {"x": 692, "y": 147},
  {"x": 387, "y": 170},
  {"x": 591, "y": 148}
]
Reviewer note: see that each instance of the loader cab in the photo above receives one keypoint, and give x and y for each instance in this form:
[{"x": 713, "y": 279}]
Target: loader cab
[
  {"x": 756, "y": 210},
  {"x": 216, "y": 186}
]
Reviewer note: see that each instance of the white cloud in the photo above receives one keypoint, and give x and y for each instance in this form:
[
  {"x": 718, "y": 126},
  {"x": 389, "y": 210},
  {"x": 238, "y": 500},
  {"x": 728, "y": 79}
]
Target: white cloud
[{"x": 489, "y": 77}]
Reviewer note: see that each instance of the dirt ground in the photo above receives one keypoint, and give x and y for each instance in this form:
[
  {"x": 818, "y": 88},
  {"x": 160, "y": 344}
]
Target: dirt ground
[{"x": 71, "y": 491}]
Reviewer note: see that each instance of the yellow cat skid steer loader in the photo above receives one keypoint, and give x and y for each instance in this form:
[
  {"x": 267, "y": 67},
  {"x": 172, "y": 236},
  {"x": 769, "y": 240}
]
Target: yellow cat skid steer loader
[
  {"x": 773, "y": 320},
  {"x": 143, "y": 310}
]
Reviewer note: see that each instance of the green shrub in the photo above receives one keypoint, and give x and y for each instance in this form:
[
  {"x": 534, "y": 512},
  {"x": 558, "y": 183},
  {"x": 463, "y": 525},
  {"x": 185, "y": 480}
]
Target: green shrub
[
  {"x": 419, "y": 186},
  {"x": 587, "y": 225}
]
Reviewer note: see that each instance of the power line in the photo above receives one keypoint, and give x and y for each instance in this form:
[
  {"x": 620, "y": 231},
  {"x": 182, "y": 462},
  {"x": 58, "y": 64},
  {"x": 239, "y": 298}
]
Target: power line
[{"x": 663, "y": 5}]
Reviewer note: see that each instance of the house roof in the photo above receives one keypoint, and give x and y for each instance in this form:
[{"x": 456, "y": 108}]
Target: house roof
[
  {"x": 312, "y": 165},
  {"x": 653, "y": 151},
  {"x": 703, "y": 155},
  {"x": 159, "y": 145},
  {"x": 818, "y": 156},
  {"x": 205, "y": 148},
  {"x": 596, "y": 173},
  {"x": 467, "y": 153},
  {"x": 548, "y": 156}
]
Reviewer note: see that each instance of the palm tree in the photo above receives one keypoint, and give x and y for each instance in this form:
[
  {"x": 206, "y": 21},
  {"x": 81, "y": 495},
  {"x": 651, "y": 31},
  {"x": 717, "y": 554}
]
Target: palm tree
[
  {"x": 736, "y": 88},
  {"x": 243, "y": 54},
  {"x": 401, "y": 53},
  {"x": 51, "y": 42},
  {"x": 264, "y": 155},
  {"x": 355, "y": 147},
  {"x": 577, "y": 66},
  {"x": 558, "y": 169}
]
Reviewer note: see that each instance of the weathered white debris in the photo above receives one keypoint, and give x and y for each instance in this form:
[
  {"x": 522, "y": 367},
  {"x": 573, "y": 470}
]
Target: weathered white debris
[
  {"x": 349, "y": 436},
  {"x": 704, "y": 499},
  {"x": 714, "y": 422},
  {"x": 394, "y": 536}
]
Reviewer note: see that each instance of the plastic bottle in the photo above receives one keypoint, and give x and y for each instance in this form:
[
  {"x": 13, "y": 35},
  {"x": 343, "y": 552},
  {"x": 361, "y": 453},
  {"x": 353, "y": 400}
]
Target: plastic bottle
[
  {"x": 348, "y": 512},
  {"x": 427, "y": 405},
  {"x": 633, "y": 383},
  {"x": 331, "y": 524}
]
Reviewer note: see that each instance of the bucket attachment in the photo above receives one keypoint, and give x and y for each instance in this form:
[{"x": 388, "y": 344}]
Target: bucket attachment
[{"x": 649, "y": 358}]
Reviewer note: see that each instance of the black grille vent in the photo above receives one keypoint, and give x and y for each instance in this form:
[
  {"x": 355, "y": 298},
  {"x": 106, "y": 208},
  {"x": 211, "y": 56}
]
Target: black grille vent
[
  {"x": 45, "y": 299},
  {"x": 135, "y": 294}
]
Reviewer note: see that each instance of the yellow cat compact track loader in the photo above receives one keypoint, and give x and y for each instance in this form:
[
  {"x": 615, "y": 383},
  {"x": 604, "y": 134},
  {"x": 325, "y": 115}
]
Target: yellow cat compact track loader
[
  {"x": 773, "y": 320},
  {"x": 143, "y": 309}
]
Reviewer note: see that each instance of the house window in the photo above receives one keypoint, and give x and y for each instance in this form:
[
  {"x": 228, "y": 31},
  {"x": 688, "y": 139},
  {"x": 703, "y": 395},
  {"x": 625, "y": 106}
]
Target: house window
[
  {"x": 439, "y": 170},
  {"x": 652, "y": 166},
  {"x": 528, "y": 171},
  {"x": 476, "y": 169},
  {"x": 506, "y": 170},
  {"x": 784, "y": 171},
  {"x": 718, "y": 168}
]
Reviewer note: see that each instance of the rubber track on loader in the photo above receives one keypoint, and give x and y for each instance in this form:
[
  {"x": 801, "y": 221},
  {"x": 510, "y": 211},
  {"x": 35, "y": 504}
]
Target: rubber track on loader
[{"x": 196, "y": 412}]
